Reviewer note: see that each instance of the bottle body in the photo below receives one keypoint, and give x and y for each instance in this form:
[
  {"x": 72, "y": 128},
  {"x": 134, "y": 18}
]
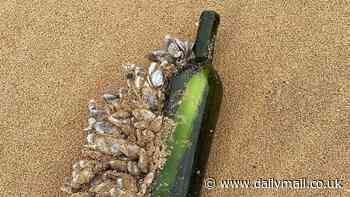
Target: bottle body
[
  {"x": 206, "y": 135},
  {"x": 193, "y": 103},
  {"x": 195, "y": 118}
]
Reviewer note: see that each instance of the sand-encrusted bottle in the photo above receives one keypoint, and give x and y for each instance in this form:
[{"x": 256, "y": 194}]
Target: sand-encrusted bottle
[{"x": 193, "y": 101}]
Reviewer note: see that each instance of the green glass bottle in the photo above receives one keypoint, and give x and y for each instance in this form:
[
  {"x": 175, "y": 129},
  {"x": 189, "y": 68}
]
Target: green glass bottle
[{"x": 193, "y": 103}]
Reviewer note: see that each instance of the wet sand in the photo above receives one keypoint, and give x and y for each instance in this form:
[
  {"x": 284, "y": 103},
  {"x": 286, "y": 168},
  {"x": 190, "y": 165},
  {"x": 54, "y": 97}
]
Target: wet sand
[{"x": 285, "y": 69}]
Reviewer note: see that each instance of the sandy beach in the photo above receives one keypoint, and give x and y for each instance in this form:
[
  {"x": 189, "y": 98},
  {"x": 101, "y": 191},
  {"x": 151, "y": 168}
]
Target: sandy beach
[{"x": 285, "y": 67}]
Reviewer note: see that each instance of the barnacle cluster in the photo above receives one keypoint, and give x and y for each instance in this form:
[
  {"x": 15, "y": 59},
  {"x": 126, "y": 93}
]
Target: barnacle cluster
[{"x": 124, "y": 148}]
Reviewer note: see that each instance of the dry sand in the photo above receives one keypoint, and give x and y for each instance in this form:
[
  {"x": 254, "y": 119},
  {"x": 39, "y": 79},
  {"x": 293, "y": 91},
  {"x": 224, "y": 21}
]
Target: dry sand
[{"x": 285, "y": 68}]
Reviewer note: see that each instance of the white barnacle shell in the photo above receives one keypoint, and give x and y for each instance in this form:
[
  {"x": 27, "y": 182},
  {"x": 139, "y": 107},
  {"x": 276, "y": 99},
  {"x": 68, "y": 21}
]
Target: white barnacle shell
[
  {"x": 101, "y": 144},
  {"x": 157, "y": 78},
  {"x": 119, "y": 183},
  {"x": 140, "y": 79},
  {"x": 90, "y": 138},
  {"x": 115, "y": 148},
  {"x": 104, "y": 127},
  {"x": 180, "y": 44},
  {"x": 180, "y": 51},
  {"x": 174, "y": 50},
  {"x": 91, "y": 123},
  {"x": 149, "y": 96},
  {"x": 139, "y": 71},
  {"x": 133, "y": 169},
  {"x": 160, "y": 56},
  {"x": 96, "y": 113},
  {"x": 118, "y": 120},
  {"x": 110, "y": 98},
  {"x": 83, "y": 172},
  {"x": 164, "y": 64},
  {"x": 152, "y": 67},
  {"x": 92, "y": 106}
]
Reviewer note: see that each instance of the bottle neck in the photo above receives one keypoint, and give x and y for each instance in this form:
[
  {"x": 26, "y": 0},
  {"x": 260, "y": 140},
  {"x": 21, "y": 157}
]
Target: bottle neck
[{"x": 205, "y": 42}]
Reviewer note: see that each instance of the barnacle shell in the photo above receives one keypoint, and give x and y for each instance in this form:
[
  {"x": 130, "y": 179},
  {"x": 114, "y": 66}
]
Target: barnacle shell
[
  {"x": 155, "y": 74},
  {"x": 124, "y": 182},
  {"x": 92, "y": 106},
  {"x": 84, "y": 171},
  {"x": 175, "y": 52},
  {"x": 131, "y": 151},
  {"x": 120, "y": 165},
  {"x": 91, "y": 123},
  {"x": 156, "y": 124},
  {"x": 68, "y": 186},
  {"x": 111, "y": 99},
  {"x": 149, "y": 96},
  {"x": 144, "y": 136},
  {"x": 98, "y": 114},
  {"x": 115, "y": 148},
  {"x": 141, "y": 125},
  {"x": 90, "y": 138},
  {"x": 123, "y": 92},
  {"x": 105, "y": 144},
  {"x": 104, "y": 127},
  {"x": 133, "y": 168},
  {"x": 143, "y": 161},
  {"x": 157, "y": 78},
  {"x": 130, "y": 79},
  {"x": 140, "y": 78},
  {"x": 143, "y": 114},
  {"x": 181, "y": 51},
  {"x": 103, "y": 187},
  {"x": 161, "y": 56},
  {"x": 147, "y": 181},
  {"x": 95, "y": 155},
  {"x": 117, "y": 120},
  {"x": 152, "y": 67},
  {"x": 121, "y": 114},
  {"x": 111, "y": 175}
]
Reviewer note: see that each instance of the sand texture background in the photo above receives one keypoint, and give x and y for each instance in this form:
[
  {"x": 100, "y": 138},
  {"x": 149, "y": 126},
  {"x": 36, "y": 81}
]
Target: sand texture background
[{"x": 285, "y": 66}]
